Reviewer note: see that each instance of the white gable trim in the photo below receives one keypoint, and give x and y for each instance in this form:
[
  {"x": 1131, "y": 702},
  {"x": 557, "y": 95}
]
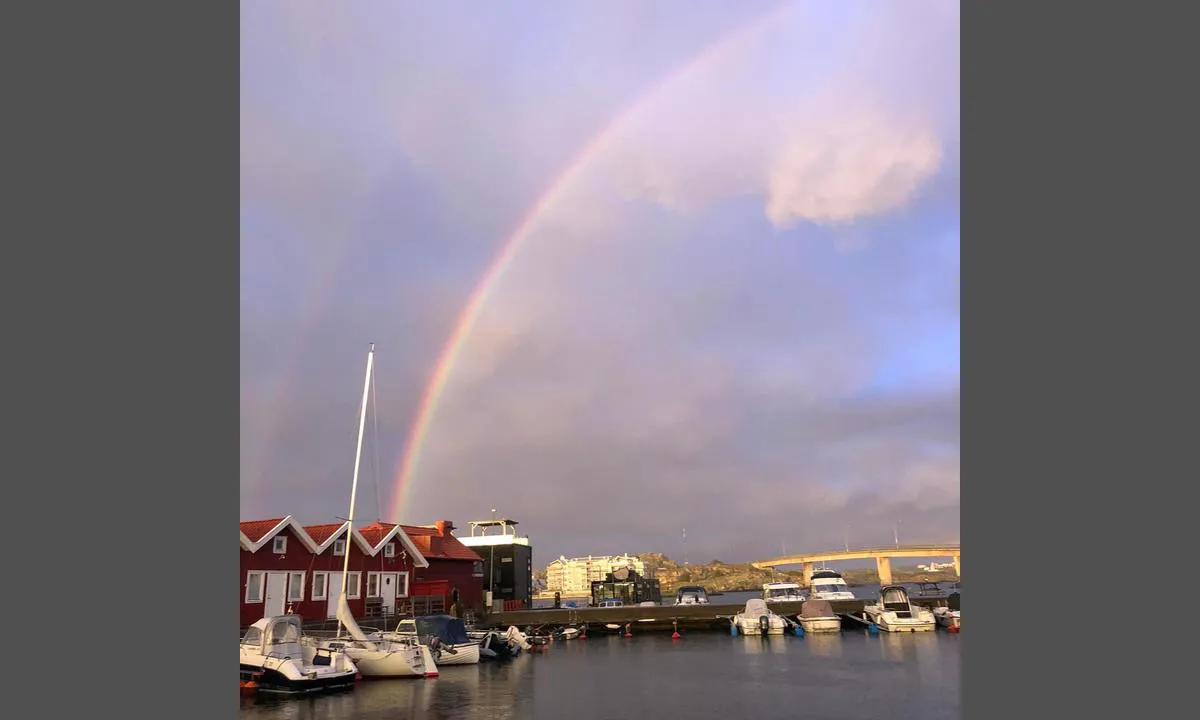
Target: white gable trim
[
  {"x": 359, "y": 540},
  {"x": 398, "y": 533},
  {"x": 285, "y": 523}
]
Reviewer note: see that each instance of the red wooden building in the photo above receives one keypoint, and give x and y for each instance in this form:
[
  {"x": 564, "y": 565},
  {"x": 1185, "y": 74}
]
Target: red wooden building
[
  {"x": 284, "y": 565},
  {"x": 452, "y": 565}
]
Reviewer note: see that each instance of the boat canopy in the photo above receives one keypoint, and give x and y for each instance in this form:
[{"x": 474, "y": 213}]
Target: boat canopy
[
  {"x": 817, "y": 609},
  {"x": 756, "y": 607},
  {"x": 826, "y": 574},
  {"x": 893, "y": 594},
  {"x": 271, "y": 633},
  {"x": 450, "y": 630}
]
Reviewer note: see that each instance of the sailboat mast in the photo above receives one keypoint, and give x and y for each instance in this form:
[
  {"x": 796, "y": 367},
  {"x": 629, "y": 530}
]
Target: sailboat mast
[{"x": 362, "y": 423}]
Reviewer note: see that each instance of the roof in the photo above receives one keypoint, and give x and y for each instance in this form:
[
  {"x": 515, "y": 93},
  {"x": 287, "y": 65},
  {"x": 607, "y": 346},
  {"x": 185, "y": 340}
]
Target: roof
[
  {"x": 379, "y": 533},
  {"x": 326, "y": 534},
  {"x": 441, "y": 547},
  {"x": 256, "y": 533}
]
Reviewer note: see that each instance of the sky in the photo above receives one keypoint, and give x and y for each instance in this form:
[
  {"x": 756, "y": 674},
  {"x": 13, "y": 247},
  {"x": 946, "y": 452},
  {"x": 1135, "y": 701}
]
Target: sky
[{"x": 630, "y": 268}]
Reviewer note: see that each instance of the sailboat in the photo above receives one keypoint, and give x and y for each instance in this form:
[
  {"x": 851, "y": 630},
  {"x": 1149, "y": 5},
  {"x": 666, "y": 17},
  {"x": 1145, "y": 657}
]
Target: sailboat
[{"x": 378, "y": 657}]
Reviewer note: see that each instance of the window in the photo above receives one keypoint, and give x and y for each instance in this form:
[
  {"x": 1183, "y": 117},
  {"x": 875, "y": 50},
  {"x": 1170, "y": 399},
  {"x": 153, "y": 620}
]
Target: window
[
  {"x": 319, "y": 589},
  {"x": 279, "y": 545},
  {"x": 353, "y": 586},
  {"x": 339, "y": 547},
  {"x": 402, "y": 585},
  {"x": 389, "y": 550},
  {"x": 477, "y": 571},
  {"x": 373, "y": 584},
  {"x": 295, "y": 587},
  {"x": 254, "y": 587}
]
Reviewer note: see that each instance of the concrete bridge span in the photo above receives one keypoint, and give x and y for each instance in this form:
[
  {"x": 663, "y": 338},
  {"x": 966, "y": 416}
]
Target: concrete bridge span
[{"x": 882, "y": 556}]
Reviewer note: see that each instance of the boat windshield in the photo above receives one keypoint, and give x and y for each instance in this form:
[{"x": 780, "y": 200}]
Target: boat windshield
[
  {"x": 781, "y": 592},
  {"x": 831, "y": 587}
]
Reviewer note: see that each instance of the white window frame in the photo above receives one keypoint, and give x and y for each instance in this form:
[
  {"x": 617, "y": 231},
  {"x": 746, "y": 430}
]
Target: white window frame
[
  {"x": 339, "y": 547},
  {"x": 262, "y": 579},
  {"x": 389, "y": 550},
  {"x": 378, "y": 576},
  {"x": 402, "y": 577},
  {"x": 354, "y": 585},
  {"x": 300, "y": 595},
  {"x": 477, "y": 569},
  {"x": 324, "y": 585},
  {"x": 279, "y": 544}
]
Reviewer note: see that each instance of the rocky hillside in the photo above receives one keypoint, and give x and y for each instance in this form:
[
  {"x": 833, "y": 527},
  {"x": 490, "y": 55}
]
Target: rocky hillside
[{"x": 717, "y": 576}]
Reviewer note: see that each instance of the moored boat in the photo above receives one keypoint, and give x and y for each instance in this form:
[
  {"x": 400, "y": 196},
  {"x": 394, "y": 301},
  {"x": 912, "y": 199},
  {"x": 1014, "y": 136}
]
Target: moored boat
[
  {"x": 817, "y": 616},
  {"x": 894, "y": 612},
  {"x": 273, "y": 660}
]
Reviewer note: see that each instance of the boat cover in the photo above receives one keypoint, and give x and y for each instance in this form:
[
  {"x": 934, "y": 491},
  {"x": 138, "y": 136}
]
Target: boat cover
[
  {"x": 756, "y": 607},
  {"x": 450, "y": 630},
  {"x": 817, "y": 609}
]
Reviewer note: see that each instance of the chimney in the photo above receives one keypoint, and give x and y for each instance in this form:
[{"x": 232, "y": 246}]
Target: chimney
[{"x": 444, "y": 527}]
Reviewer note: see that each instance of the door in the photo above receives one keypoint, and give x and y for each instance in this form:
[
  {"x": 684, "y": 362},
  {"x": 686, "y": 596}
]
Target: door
[
  {"x": 333, "y": 592},
  {"x": 387, "y": 591},
  {"x": 276, "y": 598}
]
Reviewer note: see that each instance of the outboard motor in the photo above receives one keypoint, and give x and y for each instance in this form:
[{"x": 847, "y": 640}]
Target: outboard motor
[{"x": 764, "y": 624}]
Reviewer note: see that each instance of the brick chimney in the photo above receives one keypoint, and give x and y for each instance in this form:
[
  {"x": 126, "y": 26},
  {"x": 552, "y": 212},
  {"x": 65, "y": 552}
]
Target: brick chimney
[{"x": 444, "y": 527}]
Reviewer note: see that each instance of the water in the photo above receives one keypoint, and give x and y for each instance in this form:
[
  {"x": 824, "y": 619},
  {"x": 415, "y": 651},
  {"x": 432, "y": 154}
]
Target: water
[{"x": 705, "y": 675}]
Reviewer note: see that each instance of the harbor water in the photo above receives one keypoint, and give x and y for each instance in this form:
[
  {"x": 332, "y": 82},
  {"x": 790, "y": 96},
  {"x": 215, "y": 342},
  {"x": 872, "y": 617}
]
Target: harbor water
[{"x": 848, "y": 676}]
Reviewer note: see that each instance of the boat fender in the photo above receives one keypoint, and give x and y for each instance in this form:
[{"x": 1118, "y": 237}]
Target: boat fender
[
  {"x": 799, "y": 630},
  {"x": 733, "y": 628}
]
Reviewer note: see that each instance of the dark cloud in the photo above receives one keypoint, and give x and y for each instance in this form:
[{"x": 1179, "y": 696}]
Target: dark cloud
[{"x": 740, "y": 318}]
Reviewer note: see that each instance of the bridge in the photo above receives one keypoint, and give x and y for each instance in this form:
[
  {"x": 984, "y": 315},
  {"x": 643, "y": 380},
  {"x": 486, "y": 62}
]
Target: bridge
[{"x": 883, "y": 559}]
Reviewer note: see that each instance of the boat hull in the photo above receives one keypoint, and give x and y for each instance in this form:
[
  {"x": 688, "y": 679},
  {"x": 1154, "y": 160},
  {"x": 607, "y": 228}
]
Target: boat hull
[
  {"x": 751, "y": 626},
  {"x": 890, "y": 622},
  {"x": 271, "y": 680},
  {"x": 821, "y": 624},
  {"x": 464, "y": 654}
]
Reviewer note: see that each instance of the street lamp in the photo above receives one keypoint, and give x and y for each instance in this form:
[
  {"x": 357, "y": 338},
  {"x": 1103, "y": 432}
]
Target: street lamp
[{"x": 896, "y": 532}]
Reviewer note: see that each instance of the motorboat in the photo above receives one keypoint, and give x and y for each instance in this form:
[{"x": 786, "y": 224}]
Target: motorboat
[
  {"x": 273, "y": 660},
  {"x": 691, "y": 595},
  {"x": 894, "y": 612},
  {"x": 949, "y": 615},
  {"x": 496, "y": 645},
  {"x": 829, "y": 585},
  {"x": 817, "y": 616},
  {"x": 444, "y": 635},
  {"x": 758, "y": 619},
  {"x": 774, "y": 592},
  {"x": 376, "y": 656}
]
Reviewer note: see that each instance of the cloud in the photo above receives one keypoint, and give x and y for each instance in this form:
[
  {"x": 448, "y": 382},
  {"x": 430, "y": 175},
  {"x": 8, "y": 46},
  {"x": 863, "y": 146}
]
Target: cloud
[{"x": 678, "y": 340}]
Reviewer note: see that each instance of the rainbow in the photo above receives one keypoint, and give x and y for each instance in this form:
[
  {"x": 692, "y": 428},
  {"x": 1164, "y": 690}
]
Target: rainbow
[{"x": 444, "y": 368}]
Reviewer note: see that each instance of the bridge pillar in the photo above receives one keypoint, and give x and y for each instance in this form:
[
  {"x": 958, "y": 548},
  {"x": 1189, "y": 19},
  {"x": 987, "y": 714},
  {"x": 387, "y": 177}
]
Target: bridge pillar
[
  {"x": 807, "y": 569},
  {"x": 957, "y": 566},
  {"x": 884, "y": 566}
]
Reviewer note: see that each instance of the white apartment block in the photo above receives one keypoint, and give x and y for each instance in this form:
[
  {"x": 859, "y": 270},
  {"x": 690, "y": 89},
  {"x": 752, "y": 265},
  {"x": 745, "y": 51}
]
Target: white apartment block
[{"x": 575, "y": 575}]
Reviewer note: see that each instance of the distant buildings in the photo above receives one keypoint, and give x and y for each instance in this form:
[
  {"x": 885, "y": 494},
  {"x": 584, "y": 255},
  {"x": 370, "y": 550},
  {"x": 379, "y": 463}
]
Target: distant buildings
[{"x": 576, "y": 575}]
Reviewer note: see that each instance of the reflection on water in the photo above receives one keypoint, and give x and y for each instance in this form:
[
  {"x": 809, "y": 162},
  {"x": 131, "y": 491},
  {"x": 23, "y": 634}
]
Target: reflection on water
[{"x": 705, "y": 675}]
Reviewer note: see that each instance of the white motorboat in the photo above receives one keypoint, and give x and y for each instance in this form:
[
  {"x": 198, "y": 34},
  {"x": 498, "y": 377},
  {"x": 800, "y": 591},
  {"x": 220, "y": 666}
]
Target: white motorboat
[
  {"x": 894, "y": 612},
  {"x": 774, "y": 592},
  {"x": 691, "y": 595},
  {"x": 444, "y": 635},
  {"x": 273, "y": 660},
  {"x": 496, "y": 645},
  {"x": 757, "y": 619},
  {"x": 817, "y": 616},
  {"x": 377, "y": 656},
  {"x": 829, "y": 585}
]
